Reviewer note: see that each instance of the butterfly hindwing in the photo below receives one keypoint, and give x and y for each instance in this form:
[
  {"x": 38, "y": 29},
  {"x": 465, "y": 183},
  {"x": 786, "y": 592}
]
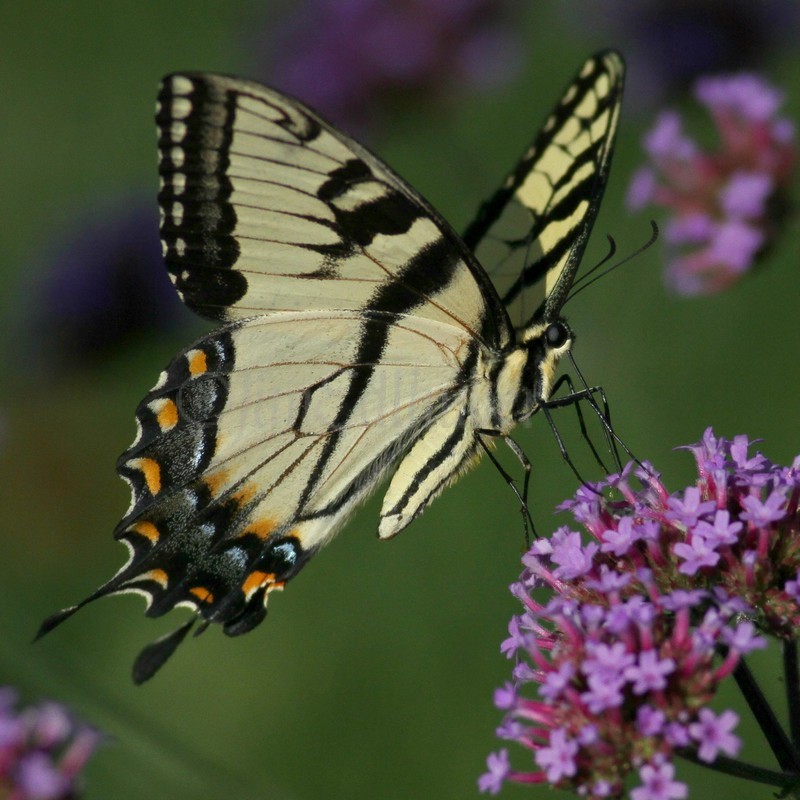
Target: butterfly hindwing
[
  {"x": 535, "y": 227},
  {"x": 257, "y": 442}
]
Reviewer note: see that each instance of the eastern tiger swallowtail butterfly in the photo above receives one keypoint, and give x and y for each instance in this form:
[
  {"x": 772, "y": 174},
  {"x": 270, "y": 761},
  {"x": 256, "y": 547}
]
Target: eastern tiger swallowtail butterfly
[{"x": 361, "y": 336}]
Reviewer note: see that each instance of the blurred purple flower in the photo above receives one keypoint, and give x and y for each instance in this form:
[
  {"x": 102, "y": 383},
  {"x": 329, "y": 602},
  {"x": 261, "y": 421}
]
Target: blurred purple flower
[
  {"x": 728, "y": 204},
  {"x": 43, "y": 750},
  {"x": 99, "y": 286},
  {"x": 343, "y": 56},
  {"x": 621, "y": 674},
  {"x": 669, "y": 43}
]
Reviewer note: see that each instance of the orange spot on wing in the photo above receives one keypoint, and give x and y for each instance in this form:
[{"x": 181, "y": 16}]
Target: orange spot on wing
[
  {"x": 255, "y": 580},
  {"x": 245, "y": 494},
  {"x": 152, "y": 472},
  {"x": 198, "y": 363},
  {"x": 261, "y": 528},
  {"x": 216, "y": 481},
  {"x": 157, "y": 575},
  {"x": 202, "y": 594},
  {"x": 146, "y": 529},
  {"x": 167, "y": 416}
]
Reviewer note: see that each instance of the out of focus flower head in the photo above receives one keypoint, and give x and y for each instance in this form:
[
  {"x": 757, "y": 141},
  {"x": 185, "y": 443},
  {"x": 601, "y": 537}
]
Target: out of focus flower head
[
  {"x": 616, "y": 673},
  {"x": 728, "y": 203},
  {"x": 344, "y": 56},
  {"x": 670, "y": 43},
  {"x": 96, "y": 287},
  {"x": 43, "y": 750}
]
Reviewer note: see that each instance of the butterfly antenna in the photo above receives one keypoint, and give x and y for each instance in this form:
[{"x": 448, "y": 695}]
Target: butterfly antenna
[
  {"x": 582, "y": 284},
  {"x": 612, "y": 250}
]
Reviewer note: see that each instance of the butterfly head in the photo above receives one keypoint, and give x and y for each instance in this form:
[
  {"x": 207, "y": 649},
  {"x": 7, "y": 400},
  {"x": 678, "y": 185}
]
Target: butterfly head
[
  {"x": 546, "y": 345},
  {"x": 527, "y": 372}
]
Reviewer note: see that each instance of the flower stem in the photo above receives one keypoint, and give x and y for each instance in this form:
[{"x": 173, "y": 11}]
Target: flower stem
[
  {"x": 791, "y": 674},
  {"x": 785, "y": 753},
  {"x": 788, "y": 781}
]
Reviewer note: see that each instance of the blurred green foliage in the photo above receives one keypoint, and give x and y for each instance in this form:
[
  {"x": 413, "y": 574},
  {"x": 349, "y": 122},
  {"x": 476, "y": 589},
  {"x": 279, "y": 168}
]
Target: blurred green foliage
[{"x": 373, "y": 676}]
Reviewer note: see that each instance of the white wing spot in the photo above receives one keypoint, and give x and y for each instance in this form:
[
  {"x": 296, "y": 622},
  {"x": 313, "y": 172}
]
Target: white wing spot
[
  {"x": 162, "y": 380},
  {"x": 178, "y": 131},
  {"x": 181, "y": 85},
  {"x": 181, "y": 107}
]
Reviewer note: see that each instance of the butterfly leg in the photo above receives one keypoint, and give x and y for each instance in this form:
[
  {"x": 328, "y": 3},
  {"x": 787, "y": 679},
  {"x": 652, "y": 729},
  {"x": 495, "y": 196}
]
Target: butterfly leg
[
  {"x": 605, "y": 418},
  {"x": 573, "y": 398},
  {"x": 527, "y": 519}
]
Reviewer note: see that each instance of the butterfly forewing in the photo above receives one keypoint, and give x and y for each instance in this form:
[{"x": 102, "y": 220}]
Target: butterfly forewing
[
  {"x": 534, "y": 229},
  {"x": 267, "y": 208}
]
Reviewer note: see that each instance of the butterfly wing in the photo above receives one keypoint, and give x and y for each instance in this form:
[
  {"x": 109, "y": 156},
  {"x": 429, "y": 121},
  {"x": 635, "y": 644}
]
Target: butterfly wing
[
  {"x": 535, "y": 227},
  {"x": 257, "y": 442},
  {"x": 354, "y": 316},
  {"x": 268, "y": 208}
]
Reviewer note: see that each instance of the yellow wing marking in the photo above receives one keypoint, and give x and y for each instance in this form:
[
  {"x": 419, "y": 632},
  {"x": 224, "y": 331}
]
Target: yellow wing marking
[
  {"x": 151, "y": 470},
  {"x": 166, "y": 413},
  {"x": 198, "y": 363},
  {"x": 146, "y": 529}
]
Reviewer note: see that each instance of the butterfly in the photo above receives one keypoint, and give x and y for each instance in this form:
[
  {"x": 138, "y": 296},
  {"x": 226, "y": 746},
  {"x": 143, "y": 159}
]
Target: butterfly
[{"x": 361, "y": 337}]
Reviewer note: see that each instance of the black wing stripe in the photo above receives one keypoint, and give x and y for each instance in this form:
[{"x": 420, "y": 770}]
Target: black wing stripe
[
  {"x": 559, "y": 181},
  {"x": 242, "y": 165},
  {"x": 430, "y": 270}
]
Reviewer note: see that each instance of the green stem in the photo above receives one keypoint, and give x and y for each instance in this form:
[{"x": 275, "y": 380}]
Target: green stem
[
  {"x": 788, "y": 781},
  {"x": 791, "y": 674},
  {"x": 785, "y": 753}
]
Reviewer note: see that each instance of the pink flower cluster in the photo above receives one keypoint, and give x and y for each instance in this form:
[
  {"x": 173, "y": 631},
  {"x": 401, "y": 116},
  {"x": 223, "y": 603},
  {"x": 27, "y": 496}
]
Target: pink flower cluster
[
  {"x": 42, "y": 750},
  {"x": 645, "y": 620},
  {"x": 727, "y": 203}
]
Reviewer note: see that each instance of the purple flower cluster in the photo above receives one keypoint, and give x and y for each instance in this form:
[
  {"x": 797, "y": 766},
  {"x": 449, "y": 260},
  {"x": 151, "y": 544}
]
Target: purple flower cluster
[
  {"x": 668, "y": 44},
  {"x": 645, "y": 620},
  {"x": 100, "y": 286},
  {"x": 341, "y": 56},
  {"x": 42, "y": 750},
  {"x": 728, "y": 203}
]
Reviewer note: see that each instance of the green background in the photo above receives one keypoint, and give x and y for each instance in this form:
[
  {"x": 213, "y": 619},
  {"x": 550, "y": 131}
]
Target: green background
[{"x": 373, "y": 674}]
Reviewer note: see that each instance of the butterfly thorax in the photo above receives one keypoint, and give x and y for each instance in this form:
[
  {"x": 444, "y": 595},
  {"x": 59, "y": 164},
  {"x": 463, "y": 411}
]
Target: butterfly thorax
[{"x": 515, "y": 382}]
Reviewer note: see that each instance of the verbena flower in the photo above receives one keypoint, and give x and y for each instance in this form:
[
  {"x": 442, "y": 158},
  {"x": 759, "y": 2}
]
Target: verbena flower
[
  {"x": 344, "y": 57},
  {"x": 629, "y": 628},
  {"x": 728, "y": 203},
  {"x": 43, "y": 750}
]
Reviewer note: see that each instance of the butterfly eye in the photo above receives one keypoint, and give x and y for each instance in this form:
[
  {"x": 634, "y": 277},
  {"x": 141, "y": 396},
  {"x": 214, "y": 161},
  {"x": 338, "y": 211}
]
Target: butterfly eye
[{"x": 556, "y": 334}]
